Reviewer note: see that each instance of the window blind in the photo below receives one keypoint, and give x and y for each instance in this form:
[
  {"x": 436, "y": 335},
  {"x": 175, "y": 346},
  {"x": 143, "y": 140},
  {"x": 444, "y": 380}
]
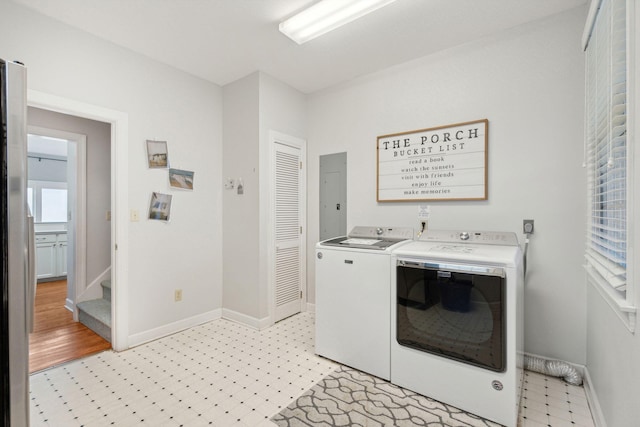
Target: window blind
[{"x": 606, "y": 144}]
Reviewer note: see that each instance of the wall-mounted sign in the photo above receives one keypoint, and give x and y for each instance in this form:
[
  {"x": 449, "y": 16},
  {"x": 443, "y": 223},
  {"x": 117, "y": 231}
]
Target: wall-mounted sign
[{"x": 442, "y": 163}]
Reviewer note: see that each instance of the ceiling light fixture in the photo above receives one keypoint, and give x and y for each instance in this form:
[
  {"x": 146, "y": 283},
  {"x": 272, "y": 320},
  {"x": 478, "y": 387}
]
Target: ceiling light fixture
[{"x": 325, "y": 16}]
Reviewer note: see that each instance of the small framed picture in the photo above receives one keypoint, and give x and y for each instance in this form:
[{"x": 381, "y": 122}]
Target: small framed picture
[
  {"x": 160, "y": 206},
  {"x": 157, "y": 154},
  {"x": 181, "y": 179}
]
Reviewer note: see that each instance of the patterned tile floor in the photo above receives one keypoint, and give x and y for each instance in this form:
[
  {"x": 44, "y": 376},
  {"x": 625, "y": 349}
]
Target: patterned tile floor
[
  {"x": 225, "y": 374},
  {"x": 548, "y": 401}
]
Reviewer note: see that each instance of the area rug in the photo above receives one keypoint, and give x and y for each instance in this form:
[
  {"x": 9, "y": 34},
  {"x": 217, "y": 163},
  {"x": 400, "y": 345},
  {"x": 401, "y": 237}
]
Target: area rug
[{"x": 348, "y": 397}]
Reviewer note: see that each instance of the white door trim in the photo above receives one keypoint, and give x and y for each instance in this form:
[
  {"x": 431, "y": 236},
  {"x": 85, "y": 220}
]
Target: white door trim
[
  {"x": 301, "y": 144},
  {"x": 78, "y": 245},
  {"x": 119, "y": 200}
]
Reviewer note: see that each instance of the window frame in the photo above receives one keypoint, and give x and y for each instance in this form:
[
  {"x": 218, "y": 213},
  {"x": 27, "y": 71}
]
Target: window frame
[
  {"x": 37, "y": 187},
  {"x": 622, "y": 302}
]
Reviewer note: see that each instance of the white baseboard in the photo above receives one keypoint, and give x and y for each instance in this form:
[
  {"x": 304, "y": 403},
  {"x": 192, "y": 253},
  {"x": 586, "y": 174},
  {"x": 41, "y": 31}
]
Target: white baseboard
[
  {"x": 172, "y": 328},
  {"x": 592, "y": 399},
  {"x": 311, "y": 308},
  {"x": 69, "y": 305},
  {"x": 243, "y": 319},
  {"x": 580, "y": 368}
]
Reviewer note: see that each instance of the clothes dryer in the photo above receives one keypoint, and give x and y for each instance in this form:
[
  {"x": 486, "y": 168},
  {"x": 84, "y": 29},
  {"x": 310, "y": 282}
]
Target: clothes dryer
[{"x": 457, "y": 321}]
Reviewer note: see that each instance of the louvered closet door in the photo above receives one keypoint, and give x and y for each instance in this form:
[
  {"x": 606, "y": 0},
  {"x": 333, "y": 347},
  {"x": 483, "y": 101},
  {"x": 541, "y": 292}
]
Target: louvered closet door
[{"x": 288, "y": 229}]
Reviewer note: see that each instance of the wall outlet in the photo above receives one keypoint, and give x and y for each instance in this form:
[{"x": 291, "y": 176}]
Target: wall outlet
[
  {"x": 424, "y": 211},
  {"x": 527, "y": 226},
  {"x": 135, "y": 216},
  {"x": 108, "y": 215},
  {"x": 177, "y": 295}
]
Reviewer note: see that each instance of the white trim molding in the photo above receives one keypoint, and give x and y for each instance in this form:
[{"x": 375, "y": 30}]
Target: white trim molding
[
  {"x": 119, "y": 200},
  {"x": 592, "y": 400},
  {"x": 625, "y": 312},
  {"x": 172, "y": 328},
  {"x": 243, "y": 319}
]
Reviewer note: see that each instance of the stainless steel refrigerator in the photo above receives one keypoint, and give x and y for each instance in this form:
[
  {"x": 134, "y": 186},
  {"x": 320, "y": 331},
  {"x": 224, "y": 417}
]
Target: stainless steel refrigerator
[{"x": 16, "y": 268}]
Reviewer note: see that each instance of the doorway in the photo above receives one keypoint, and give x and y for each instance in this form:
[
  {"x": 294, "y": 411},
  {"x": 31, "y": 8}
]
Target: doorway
[
  {"x": 333, "y": 195},
  {"x": 119, "y": 127},
  {"x": 87, "y": 255},
  {"x": 56, "y": 196}
]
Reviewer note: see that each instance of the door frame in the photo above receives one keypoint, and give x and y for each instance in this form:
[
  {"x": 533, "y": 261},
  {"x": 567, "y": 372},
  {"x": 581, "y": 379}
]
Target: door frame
[
  {"x": 119, "y": 122},
  {"x": 281, "y": 138},
  {"x": 78, "y": 161}
]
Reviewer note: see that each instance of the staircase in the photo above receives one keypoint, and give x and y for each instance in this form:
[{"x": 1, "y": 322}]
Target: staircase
[{"x": 95, "y": 314}]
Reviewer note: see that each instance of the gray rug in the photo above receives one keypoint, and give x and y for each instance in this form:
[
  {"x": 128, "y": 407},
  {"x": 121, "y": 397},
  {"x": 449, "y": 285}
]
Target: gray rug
[{"x": 348, "y": 397}]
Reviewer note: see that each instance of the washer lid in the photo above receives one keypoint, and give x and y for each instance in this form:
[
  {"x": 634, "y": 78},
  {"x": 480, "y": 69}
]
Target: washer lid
[
  {"x": 356, "y": 242},
  {"x": 373, "y": 238}
]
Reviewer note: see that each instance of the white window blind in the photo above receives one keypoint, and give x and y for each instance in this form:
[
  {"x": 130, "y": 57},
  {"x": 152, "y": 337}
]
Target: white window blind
[{"x": 606, "y": 148}]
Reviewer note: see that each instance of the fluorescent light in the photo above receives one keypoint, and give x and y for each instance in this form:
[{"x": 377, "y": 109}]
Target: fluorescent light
[{"x": 325, "y": 16}]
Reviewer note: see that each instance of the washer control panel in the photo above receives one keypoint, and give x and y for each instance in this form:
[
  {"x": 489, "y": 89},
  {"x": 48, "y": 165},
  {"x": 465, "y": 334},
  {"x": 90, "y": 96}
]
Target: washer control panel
[
  {"x": 384, "y": 233},
  {"x": 504, "y": 238}
]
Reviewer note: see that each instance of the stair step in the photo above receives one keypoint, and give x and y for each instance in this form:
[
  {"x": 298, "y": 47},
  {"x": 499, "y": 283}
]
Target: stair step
[
  {"x": 106, "y": 289},
  {"x": 96, "y": 315}
]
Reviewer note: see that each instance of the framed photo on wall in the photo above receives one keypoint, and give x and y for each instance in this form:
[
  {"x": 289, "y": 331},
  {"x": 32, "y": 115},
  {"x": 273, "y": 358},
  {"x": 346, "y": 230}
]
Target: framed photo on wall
[
  {"x": 157, "y": 154},
  {"x": 181, "y": 179},
  {"x": 160, "y": 206}
]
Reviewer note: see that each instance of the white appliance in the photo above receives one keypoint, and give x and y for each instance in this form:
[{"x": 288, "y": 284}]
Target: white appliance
[
  {"x": 353, "y": 278},
  {"x": 457, "y": 321},
  {"x": 16, "y": 271}
]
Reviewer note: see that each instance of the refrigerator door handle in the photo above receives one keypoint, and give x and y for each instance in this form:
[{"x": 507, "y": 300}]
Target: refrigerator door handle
[{"x": 31, "y": 274}]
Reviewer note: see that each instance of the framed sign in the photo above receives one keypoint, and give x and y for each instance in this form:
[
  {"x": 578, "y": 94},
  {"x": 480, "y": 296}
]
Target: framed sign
[{"x": 441, "y": 163}]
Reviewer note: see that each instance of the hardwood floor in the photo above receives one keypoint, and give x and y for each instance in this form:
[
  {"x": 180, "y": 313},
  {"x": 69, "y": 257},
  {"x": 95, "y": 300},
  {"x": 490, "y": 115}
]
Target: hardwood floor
[{"x": 56, "y": 338}]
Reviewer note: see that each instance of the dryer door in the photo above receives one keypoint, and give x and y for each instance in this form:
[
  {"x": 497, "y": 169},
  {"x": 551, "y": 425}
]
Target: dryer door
[{"x": 453, "y": 311}]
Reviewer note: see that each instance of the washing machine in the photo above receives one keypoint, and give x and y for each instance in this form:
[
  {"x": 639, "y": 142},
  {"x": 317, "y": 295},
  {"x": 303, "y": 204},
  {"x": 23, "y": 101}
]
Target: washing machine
[
  {"x": 353, "y": 291},
  {"x": 457, "y": 320}
]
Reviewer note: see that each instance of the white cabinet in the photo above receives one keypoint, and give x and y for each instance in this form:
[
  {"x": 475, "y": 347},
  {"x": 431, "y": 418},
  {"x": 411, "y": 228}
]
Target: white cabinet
[
  {"x": 51, "y": 255},
  {"x": 46, "y": 261},
  {"x": 61, "y": 255}
]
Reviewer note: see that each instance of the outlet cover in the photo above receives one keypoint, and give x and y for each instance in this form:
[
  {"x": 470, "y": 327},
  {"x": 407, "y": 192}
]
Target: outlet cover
[
  {"x": 527, "y": 226},
  {"x": 178, "y": 295}
]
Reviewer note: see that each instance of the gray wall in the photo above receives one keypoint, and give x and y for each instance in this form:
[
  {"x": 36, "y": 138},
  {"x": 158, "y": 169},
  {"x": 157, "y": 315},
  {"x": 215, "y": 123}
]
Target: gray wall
[
  {"x": 253, "y": 106},
  {"x": 241, "y": 212},
  {"x": 155, "y": 101},
  {"x": 529, "y": 83}
]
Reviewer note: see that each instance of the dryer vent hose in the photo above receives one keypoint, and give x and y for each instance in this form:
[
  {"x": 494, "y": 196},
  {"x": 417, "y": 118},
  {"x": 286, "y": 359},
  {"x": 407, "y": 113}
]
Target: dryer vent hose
[{"x": 555, "y": 368}]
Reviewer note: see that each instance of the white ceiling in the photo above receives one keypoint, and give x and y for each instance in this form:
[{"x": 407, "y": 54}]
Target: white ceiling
[{"x": 224, "y": 40}]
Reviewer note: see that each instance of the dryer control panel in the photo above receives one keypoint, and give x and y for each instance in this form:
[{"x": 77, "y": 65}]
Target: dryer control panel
[{"x": 504, "y": 238}]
